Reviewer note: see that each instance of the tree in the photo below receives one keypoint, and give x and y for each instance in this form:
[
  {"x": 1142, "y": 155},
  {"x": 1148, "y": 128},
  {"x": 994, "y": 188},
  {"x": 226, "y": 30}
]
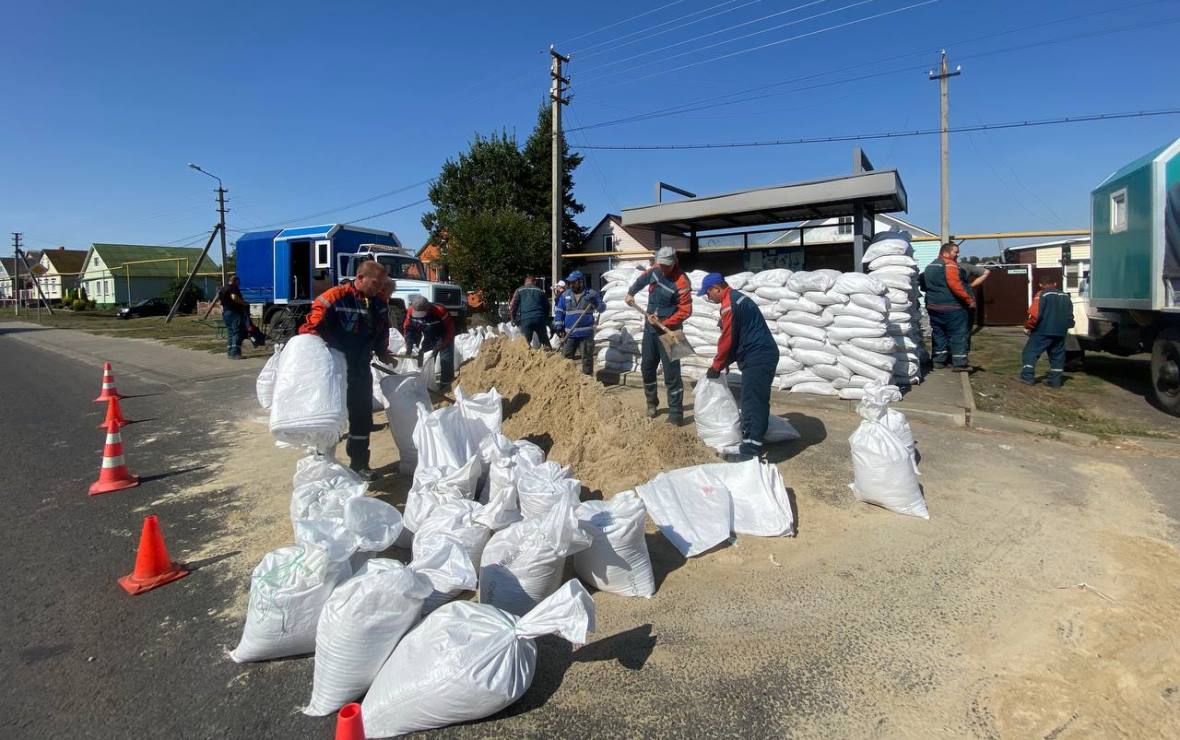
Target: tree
[
  {"x": 973, "y": 260},
  {"x": 191, "y": 296},
  {"x": 493, "y": 250},
  {"x": 538, "y": 150}
]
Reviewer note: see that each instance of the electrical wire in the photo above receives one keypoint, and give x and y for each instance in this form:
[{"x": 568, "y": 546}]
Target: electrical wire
[
  {"x": 330, "y": 211},
  {"x": 893, "y": 134},
  {"x": 646, "y": 34},
  {"x": 391, "y": 210},
  {"x": 619, "y": 23}
]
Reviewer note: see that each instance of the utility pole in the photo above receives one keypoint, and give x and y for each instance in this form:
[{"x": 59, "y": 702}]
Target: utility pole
[
  {"x": 944, "y": 75},
  {"x": 557, "y": 87},
  {"x": 16, "y": 271},
  {"x": 221, "y": 223}
]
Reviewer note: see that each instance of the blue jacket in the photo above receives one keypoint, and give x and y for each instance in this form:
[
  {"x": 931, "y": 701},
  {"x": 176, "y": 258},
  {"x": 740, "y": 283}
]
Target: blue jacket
[
  {"x": 946, "y": 286},
  {"x": 568, "y": 314},
  {"x": 745, "y": 337},
  {"x": 529, "y": 305},
  {"x": 1051, "y": 314}
]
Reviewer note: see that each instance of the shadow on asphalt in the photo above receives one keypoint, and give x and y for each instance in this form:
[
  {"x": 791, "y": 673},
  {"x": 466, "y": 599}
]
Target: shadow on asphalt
[
  {"x": 142, "y": 395},
  {"x": 811, "y": 432},
  {"x": 665, "y": 558},
  {"x": 18, "y": 329},
  {"x": 196, "y": 565},
  {"x": 631, "y": 648},
  {"x": 129, "y": 422},
  {"x": 170, "y": 474}
]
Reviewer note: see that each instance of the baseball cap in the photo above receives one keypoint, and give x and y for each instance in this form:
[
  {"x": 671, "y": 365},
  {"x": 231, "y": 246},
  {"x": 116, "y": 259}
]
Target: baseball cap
[
  {"x": 713, "y": 278},
  {"x": 666, "y": 256}
]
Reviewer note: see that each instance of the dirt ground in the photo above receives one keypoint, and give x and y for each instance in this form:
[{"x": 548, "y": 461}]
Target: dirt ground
[
  {"x": 1040, "y": 599},
  {"x": 1109, "y": 396}
]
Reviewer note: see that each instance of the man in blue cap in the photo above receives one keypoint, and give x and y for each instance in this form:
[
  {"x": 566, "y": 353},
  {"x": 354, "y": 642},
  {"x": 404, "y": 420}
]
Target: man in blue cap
[
  {"x": 747, "y": 340},
  {"x": 669, "y": 301},
  {"x": 574, "y": 315}
]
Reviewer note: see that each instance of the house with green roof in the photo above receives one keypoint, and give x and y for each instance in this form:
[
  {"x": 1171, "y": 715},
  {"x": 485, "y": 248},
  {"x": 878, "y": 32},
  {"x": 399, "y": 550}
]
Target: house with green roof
[{"x": 123, "y": 274}]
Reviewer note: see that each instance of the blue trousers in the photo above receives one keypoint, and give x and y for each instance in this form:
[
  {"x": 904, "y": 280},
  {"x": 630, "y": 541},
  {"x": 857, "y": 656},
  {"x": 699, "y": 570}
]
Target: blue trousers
[
  {"x": 571, "y": 346},
  {"x": 235, "y": 332},
  {"x": 755, "y": 405},
  {"x": 360, "y": 409},
  {"x": 654, "y": 354},
  {"x": 539, "y": 329},
  {"x": 950, "y": 333},
  {"x": 1036, "y": 344}
]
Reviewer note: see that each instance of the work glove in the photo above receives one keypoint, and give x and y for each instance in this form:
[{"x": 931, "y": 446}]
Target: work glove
[
  {"x": 561, "y": 333},
  {"x": 713, "y": 373}
]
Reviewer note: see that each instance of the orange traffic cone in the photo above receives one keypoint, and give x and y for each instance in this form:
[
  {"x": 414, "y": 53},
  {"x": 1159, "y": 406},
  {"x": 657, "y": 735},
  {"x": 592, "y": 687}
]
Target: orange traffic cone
[
  {"x": 113, "y": 476},
  {"x": 152, "y": 565},
  {"x": 349, "y": 724},
  {"x": 108, "y": 384},
  {"x": 114, "y": 413}
]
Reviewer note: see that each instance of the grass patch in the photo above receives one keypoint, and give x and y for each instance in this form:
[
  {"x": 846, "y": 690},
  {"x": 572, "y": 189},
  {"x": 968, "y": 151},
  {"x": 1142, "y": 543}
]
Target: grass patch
[
  {"x": 1082, "y": 405},
  {"x": 184, "y": 331}
]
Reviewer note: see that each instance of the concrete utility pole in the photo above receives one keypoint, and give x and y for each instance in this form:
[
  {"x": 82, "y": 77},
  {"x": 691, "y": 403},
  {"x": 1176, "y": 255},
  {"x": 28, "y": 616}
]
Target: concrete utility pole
[
  {"x": 221, "y": 191},
  {"x": 557, "y": 88},
  {"x": 36, "y": 283},
  {"x": 944, "y": 75},
  {"x": 16, "y": 272}
]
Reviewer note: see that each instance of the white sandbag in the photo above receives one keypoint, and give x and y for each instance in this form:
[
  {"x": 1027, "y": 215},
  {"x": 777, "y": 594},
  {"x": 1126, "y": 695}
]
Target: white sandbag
[
  {"x": 308, "y": 401},
  {"x": 832, "y": 372},
  {"x": 900, "y": 297},
  {"x": 791, "y": 379},
  {"x": 738, "y": 280},
  {"x": 461, "y": 519},
  {"x": 843, "y": 334},
  {"x": 851, "y": 283},
  {"x": 523, "y": 564},
  {"x": 876, "y": 408},
  {"x": 468, "y": 661},
  {"x": 855, "y": 322},
  {"x": 906, "y": 271},
  {"x": 397, "y": 343},
  {"x": 435, "y": 485},
  {"x": 779, "y": 429},
  {"x": 852, "y": 394},
  {"x": 819, "y": 388},
  {"x": 781, "y": 339},
  {"x": 889, "y": 260},
  {"x": 445, "y": 438},
  {"x": 776, "y": 293},
  {"x": 704, "y": 349},
  {"x": 794, "y": 329},
  {"x": 770, "y": 312},
  {"x": 486, "y": 408},
  {"x": 617, "y": 560},
  {"x": 814, "y": 346},
  {"x": 316, "y": 467},
  {"x": 288, "y": 589},
  {"x": 866, "y": 370},
  {"x": 883, "y": 467},
  {"x": 760, "y": 301},
  {"x": 366, "y": 616},
  {"x": 858, "y": 381},
  {"x": 879, "y": 345},
  {"x": 812, "y": 358},
  {"x": 698, "y": 336},
  {"x": 716, "y": 414},
  {"x": 900, "y": 317},
  {"x": 691, "y": 507},
  {"x": 803, "y": 281},
  {"x": 264, "y": 386},
  {"x": 787, "y": 364},
  {"x": 899, "y": 329},
  {"x": 810, "y": 319},
  {"x": 777, "y": 277},
  {"x": 895, "y": 281},
  {"x": 825, "y": 299},
  {"x": 759, "y": 496},
  {"x": 540, "y": 487},
  {"x": 883, "y": 361},
  {"x": 853, "y": 309},
  {"x": 404, "y": 392},
  {"x": 799, "y": 304},
  {"x": 877, "y": 303},
  {"x": 325, "y": 497},
  {"x": 427, "y": 546},
  {"x": 625, "y": 275},
  {"x": 700, "y": 322}
]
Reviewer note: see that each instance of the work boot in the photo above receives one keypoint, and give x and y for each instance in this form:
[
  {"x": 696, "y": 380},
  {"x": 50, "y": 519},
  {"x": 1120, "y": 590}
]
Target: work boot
[
  {"x": 367, "y": 474},
  {"x": 736, "y": 457},
  {"x": 674, "y": 418},
  {"x": 652, "y": 410}
]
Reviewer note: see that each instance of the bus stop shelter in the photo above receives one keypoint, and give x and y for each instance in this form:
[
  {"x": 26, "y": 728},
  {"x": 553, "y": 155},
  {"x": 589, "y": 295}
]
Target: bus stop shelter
[{"x": 858, "y": 196}]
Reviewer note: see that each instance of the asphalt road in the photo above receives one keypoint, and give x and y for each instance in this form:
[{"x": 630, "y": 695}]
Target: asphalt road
[{"x": 80, "y": 657}]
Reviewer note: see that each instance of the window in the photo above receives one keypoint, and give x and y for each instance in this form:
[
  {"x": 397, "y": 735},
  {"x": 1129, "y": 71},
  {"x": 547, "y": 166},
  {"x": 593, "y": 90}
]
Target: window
[
  {"x": 94, "y": 261},
  {"x": 323, "y": 254},
  {"x": 845, "y": 226},
  {"x": 608, "y": 243},
  {"x": 1118, "y": 211},
  {"x": 1072, "y": 274}
]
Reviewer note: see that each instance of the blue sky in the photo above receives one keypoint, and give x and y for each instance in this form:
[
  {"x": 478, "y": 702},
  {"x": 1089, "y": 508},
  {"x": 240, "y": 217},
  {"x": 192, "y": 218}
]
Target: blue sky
[{"x": 303, "y": 107}]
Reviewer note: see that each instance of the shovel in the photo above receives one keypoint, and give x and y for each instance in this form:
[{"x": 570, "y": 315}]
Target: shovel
[{"x": 674, "y": 341}]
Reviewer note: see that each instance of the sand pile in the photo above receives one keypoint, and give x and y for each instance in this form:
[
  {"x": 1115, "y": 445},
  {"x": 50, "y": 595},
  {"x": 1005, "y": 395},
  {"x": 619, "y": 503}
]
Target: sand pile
[{"x": 610, "y": 446}]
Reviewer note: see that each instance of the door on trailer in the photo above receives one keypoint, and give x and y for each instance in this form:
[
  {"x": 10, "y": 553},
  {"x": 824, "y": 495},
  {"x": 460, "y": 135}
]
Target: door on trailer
[
  {"x": 321, "y": 275},
  {"x": 300, "y": 270},
  {"x": 1004, "y": 297}
]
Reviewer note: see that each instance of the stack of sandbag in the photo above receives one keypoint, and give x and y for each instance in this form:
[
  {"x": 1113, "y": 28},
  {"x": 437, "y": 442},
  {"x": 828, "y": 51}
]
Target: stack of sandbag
[
  {"x": 803, "y": 326},
  {"x": 890, "y": 259},
  {"x": 859, "y": 332},
  {"x": 307, "y": 402},
  {"x": 619, "y": 335}
]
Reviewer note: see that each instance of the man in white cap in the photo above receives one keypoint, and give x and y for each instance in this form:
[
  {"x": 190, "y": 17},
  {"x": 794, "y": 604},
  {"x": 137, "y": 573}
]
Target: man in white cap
[
  {"x": 431, "y": 326},
  {"x": 669, "y": 303}
]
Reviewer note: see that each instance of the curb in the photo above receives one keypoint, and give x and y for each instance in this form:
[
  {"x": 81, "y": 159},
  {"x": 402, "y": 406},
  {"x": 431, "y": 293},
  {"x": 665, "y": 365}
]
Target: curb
[{"x": 988, "y": 422}]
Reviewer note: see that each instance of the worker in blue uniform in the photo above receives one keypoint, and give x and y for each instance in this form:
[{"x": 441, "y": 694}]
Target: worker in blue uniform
[
  {"x": 1050, "y": 318},
  {"x": 574, "y": 316},
  {"x": 746, "y": 340}
]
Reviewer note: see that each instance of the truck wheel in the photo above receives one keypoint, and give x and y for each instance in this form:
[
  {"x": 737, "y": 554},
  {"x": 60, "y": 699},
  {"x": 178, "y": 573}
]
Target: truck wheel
[
  {"x": 1165, "y": 370},
  {"x": 283, "y": 325}
]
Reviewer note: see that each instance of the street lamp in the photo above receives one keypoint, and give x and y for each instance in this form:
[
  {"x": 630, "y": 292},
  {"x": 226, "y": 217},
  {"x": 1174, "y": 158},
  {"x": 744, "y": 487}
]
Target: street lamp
[{"x": 221, "y": 216}]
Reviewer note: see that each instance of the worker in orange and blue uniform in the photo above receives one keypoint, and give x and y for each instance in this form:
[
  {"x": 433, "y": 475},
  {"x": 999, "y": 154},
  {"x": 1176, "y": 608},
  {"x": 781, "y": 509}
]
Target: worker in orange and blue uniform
[
  {"x": 948, "y": 303},
  {"x": 746, "y": 340},
  {"x": 430, "y": 326},
  {"x": 669, "y": 302},
  {"x": 574, "y": 317},
  {"x": 1050, "y": 318},
  {"x": 353, "y": 319}
]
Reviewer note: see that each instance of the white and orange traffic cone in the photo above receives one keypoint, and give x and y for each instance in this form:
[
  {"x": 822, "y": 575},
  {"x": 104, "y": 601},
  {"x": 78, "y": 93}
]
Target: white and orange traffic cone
[
  {"x": 113, "y": 476},
  {"x": 114, "y": 413},
  {"x": 108, "y": 384}
]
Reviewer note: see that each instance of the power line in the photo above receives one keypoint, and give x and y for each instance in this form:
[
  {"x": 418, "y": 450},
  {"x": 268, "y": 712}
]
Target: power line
[
  {"x": 739, "y": 52},
  {"x": 646, "y": 34},
  {"x": 619, "y": 23},
  {"x": 330, "y": 211},
  {"x": 391, "y": 210},
  {"x": 725, "y": 99},
  {"x": 893, "y": 134}
]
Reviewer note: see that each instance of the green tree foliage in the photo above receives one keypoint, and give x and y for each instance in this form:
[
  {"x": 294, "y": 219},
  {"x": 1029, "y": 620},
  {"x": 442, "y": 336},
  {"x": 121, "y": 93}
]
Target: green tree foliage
[
  {"x": 191, "y": 296},
  {"x": 491, "y": 211},
  {"x": 495, "y": 249}
]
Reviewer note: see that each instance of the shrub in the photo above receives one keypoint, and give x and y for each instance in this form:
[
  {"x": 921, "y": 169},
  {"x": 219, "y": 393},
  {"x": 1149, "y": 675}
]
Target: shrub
[{"x": 189, "y": 303}]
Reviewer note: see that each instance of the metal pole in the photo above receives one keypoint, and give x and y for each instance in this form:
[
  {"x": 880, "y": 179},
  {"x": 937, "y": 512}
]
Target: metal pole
[
  {"x": 943, "y": 76},
  {"x": 16, "y": 272},
  {"x": 36, "y": 283},
  {"x": 557, "y": 202},
  {"x": 189, "y": 279},
  {"x": 221, "y": 223}
]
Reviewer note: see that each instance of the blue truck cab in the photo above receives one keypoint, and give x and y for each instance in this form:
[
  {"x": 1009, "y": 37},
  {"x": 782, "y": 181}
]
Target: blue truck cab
[{"x": 282, "y": 271}]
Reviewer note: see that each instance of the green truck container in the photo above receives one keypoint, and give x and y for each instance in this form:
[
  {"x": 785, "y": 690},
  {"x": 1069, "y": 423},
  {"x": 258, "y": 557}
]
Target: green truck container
[{"x": 1133, "y": 290}]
